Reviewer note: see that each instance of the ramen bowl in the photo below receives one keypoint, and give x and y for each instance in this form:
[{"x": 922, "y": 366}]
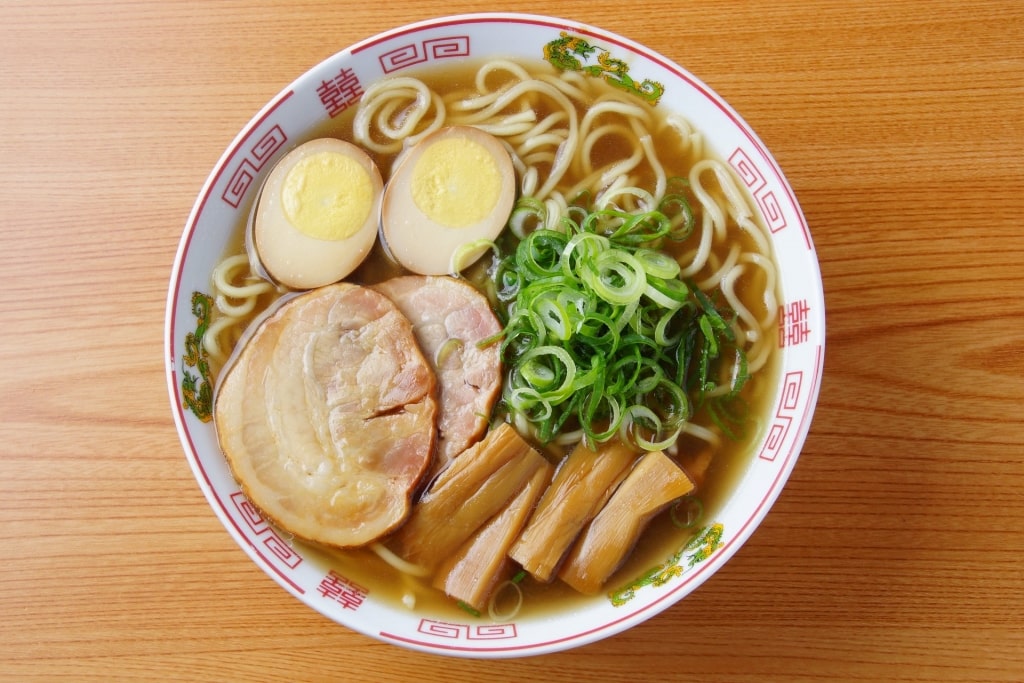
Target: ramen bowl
[{"x": 345, "y": 587}]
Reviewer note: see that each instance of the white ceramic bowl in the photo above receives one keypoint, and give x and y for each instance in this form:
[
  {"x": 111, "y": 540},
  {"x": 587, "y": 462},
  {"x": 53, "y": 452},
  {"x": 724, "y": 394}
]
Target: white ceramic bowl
[{"x": 332, "y": 85}]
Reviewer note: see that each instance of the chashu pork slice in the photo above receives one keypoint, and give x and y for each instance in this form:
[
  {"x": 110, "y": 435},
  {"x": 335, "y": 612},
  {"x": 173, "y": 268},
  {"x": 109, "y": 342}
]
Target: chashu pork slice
[
  {"x": 327, "y": 416},
  {"x": 450, "y": 318}
]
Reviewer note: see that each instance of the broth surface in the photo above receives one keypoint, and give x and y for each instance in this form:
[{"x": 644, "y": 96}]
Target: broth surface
[{"x": 729, "y": 463}]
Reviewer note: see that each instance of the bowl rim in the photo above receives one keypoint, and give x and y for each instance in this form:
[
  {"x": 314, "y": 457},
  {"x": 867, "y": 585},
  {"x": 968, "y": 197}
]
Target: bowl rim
[{"x": 585, "y": 635}]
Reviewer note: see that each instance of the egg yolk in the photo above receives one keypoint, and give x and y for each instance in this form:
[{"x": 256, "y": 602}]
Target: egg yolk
[
  {"x": 327, "y": 196},
  {"x": 456, "y": 182}
]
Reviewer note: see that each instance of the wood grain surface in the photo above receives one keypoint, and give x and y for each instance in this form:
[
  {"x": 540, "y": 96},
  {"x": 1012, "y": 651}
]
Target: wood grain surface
[{"x": 895, "y": 551}]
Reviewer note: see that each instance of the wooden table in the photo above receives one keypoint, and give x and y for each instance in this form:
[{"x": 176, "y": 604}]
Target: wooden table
[{"x": 895, "y": 552}]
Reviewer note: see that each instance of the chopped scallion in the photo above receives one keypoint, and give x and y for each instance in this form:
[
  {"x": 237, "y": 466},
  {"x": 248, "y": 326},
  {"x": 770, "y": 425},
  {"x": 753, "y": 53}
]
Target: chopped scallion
[{"x": 602, "y": 336}]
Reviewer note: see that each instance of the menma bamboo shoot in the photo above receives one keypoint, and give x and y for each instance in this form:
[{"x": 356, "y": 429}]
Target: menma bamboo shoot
[
  {"x": 583, "y": 483},
  {"x": 482, "y": 563},
  {"x": 466, "y": 494},
  {"x": 601, "y": 548}
]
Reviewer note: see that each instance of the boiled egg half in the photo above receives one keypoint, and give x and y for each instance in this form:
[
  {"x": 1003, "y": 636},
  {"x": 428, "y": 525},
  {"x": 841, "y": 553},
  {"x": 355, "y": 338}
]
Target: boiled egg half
[
  {"x": 451, "y": 193},
  {"x": 317, "y": 216}
]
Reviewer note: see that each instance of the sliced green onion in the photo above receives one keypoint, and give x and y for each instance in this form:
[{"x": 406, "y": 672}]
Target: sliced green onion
[
  {"x": 463, "y": 257},
  {"x": 661, "y": 329},
  {"x": 599, "y": 331},
  {"x": 449, "y": 347},
  {"x": 467, "y": 608},
  {"x": 687, "y": 512},
  {"x": 657, "y": 263},
  {"x": 539, "y": 255},
  {"x": 633, "y": 429},
  {"x": 526, "y": 400},
  {"x": 667, "y": 292},
  {"x": 517, "y": 602},
  {"x": 581, "y": 248},
  {"x": 615, "y": 276},
  {"x": 676, "y": 206},
  {"x": 527, "y": 215},
  {"x": 547, "y": 365},
  {"x": 707, "y": 325},
  {"x": 601, "y": 337},
  {"x": 555, "y": 317}
]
